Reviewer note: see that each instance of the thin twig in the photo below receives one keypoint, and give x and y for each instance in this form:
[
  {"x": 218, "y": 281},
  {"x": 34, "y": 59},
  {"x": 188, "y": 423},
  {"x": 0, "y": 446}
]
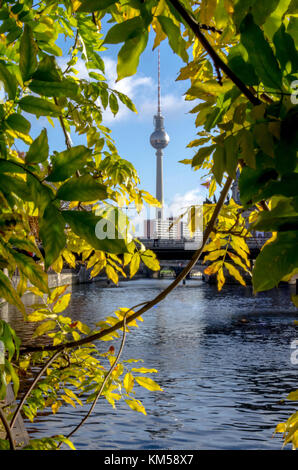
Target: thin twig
[
  {"x": 7, "y": 429},
  {"x": 107, "y": 376}
]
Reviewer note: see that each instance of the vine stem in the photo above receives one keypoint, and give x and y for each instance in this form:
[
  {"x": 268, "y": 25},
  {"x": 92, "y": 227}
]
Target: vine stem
[
  {"x": 40, "y": 373},
  {"x": 7, "y": 429},
  {"x": 160, "y": 296},
  {"x": 218, "y": 62},
  {"x": 107, "y": 376}
]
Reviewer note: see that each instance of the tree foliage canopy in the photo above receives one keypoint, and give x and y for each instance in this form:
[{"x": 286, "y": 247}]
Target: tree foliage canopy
[{"x": 241, "y": 66}]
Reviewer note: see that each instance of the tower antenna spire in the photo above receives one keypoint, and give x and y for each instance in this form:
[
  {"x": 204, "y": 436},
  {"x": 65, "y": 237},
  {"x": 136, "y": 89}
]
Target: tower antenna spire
[
  {"x": 158, "y": 88},
  {"x": 159, "y": 139}
]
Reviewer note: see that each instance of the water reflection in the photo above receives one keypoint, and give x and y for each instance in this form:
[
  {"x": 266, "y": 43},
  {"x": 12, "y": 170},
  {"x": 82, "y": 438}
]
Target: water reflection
[{"x": 223, "y": 362}]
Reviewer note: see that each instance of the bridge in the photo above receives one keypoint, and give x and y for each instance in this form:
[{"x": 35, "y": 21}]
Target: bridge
[
  {"x": 179, "y": 249},
  {"x": 174, "y": 254}
]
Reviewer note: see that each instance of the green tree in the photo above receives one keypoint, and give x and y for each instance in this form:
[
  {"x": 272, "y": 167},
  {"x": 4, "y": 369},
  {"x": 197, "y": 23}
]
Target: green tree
[{"x": 241, "y": 60}]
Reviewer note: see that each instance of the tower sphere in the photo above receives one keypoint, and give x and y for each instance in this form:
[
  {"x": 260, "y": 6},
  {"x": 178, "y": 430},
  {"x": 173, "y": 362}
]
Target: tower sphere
[{"x": 159, "y": 139}]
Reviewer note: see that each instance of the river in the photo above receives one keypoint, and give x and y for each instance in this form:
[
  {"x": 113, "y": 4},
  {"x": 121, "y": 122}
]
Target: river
[{"x": 223, "y": 361}]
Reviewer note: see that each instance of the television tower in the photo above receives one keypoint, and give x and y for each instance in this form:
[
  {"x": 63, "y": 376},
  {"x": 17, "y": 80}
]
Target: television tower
[{"x": 159, "y": 139}]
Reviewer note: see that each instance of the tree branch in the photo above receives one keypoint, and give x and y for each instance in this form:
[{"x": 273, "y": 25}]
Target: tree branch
[
  {"x": 218, "y": 62},
  {"x": 158, "y": 298},
  {"x": 7, "y": 429}
]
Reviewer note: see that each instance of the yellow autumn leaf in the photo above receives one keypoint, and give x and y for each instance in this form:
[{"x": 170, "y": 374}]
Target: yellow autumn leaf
[
  {"x": 281, "y": 427},
  {"x": 150, "y": 260},
  {"x": 134, "y": 264},
  {"x": 213, "y": 268},
  {"x": 44, "y": 327},
  {"x": 148, "y": 383},
  {"x": 57, "y": 266},
  {"x": 97, "y": 268},
  {"x": 136, "y": 405},
  {"x": 67, "y": 399},
  {"x": 220, "y": 279},
  {"x": 293, "y": 396},
  {"x": 128, "y": 382},
  {"x": 61, "y": 303},
  {"x": 56, "y": 293},
  {"x": 235, "y": 273},
  {"x": 69, "y": 258}
]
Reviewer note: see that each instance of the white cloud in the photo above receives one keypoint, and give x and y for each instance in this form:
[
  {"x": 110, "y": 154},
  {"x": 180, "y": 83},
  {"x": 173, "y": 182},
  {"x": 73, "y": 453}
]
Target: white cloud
[
  {"x": 181, "y": 202},
  {"x": 142, "y": 90}
]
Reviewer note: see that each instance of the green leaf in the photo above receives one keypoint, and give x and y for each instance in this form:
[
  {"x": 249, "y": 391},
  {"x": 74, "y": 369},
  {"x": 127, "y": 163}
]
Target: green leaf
[
  {"x": 28, "y": 52},
  {"x": 274, "y": 21},
  {"x": 286, "y": 149},
  {"x": 231, "y": 155},
  {"x": 252, "y": 183},
  {"x": 218, "y": 168},
  {"x": 127, "y": 101},
  {"x": 84, "y": 224},
  {"x": 39, "y": 149},
  {"x": 261, "y": 57},
  {"x": 246, "y": 143},
  {"x": 31, "y": 270},
  {"x": 243, "y": 69},
  {"x": 47, "y": 70},
  {"x": 292, "y": 29},
  {"x": 124, "y": 31},
  {"x": 202, "y": 153},
  {"x": 18, "y": 123},
  {"x": 14, "y": 377},
  {"x": 285, "y": 49},
  {"x": 9, "y": 82},
  {"x": 173, "y": 33},
  {"x": 9, "y": 339},
  {"x": 85, "y": 188},
  {"x": 52, "y": 234},
  {"x": 58, "y": 89},
  {"x": 66, "y": 163},
  {"x": 113, "y": 102},
  {"x": 283, "y": 217},
  {"x": 278, "y": 258},
  {"x": 94, "y": 5},
  {"x": 8, "y": 293},
  {"x": 148, "y": 383},
  {"x": 264, "y": 138},
  {"x": 39, "y": 106},
  {"x": 129, "y": 55}
]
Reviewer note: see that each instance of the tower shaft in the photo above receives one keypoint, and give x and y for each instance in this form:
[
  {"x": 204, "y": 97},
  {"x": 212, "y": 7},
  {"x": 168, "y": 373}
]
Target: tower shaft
[
  {"x": 159, "y": 139},
  {"x": 159, "y": 183}
]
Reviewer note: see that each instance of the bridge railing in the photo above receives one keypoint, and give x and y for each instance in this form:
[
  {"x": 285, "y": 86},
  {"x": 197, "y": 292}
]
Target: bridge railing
[{"x": 181, "y": 244}]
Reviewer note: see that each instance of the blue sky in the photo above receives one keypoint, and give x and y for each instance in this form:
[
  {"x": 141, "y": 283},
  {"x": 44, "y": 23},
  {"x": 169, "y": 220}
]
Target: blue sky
[{"x": 131, "y": 131}]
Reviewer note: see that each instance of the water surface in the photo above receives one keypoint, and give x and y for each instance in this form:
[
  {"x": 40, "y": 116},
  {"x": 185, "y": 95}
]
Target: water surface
[{"x": 223, "y": 360}]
